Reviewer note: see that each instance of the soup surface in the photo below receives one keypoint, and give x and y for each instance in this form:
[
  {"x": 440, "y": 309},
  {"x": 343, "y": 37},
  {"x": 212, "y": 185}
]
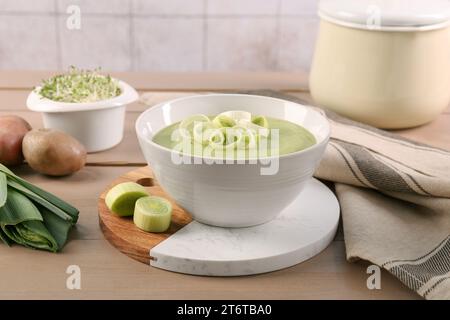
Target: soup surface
[{"x": 291, "y": 138}]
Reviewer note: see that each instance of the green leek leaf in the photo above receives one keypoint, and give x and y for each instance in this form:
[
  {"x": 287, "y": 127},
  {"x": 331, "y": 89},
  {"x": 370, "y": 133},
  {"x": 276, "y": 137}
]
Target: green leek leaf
[
  {"x": 33, "y": 196},
  {"x": 5, "y": 238},
  {"x": 21, "y": 222},
  {"x": 47, "y": 196},
  {"x": 3, "y": 188},
  {"x": 17, "y": 209},
  {"x": 57, "y": 227},
  {"x": 32, "y": 217}
]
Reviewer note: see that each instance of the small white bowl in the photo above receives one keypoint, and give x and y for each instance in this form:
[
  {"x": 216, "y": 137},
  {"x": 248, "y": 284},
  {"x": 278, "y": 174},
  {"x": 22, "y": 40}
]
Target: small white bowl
[
  {"x": 232, "y": 194},
  {"x": 97, "y": 125}
]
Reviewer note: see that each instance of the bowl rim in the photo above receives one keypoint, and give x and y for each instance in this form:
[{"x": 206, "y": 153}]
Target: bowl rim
[
  {"x": 229, "y": 160},
  {"x": 36, "y": 102}
]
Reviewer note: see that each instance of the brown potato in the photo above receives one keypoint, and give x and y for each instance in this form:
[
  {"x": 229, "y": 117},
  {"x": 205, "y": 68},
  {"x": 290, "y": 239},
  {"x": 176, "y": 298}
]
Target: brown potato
[
  {"x": 53, "y": 152},
  {"x": 12, "y": 131}
]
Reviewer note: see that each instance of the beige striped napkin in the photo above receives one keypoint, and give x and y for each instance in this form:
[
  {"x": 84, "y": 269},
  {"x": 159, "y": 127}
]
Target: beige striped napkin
[{"x": 395, "y": 200}]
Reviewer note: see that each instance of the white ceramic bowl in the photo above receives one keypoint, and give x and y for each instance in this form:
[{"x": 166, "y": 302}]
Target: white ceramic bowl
[
  {"x": 97, "y": 125},
  {"x": 232, "y": 195}
]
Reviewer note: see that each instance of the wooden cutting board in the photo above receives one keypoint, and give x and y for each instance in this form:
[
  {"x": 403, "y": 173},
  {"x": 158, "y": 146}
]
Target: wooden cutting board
[
  {"x": 121, "y": 231},
  {"x": 299, "y": 232}
]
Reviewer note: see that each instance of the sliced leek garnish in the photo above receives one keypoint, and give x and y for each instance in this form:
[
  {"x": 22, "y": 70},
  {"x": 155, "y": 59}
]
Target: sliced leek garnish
[
  {"x": 152, "y": 214},
  {"x": 229, "y": 130},
  {"x": 247, "y": 137},
  {"x": 256, "y": 129},
  {"x": 202, "y": 131},
  {"x": 260, "y": 121},
  {"x": 121, "y": 198},
  {"x": 237, "y": 115},
  {"x": 224, "y": 121},
  {"x": 224, "y": 139},
  {"x": 186, "y": 126},
  {"x": 189, "y": 122}
]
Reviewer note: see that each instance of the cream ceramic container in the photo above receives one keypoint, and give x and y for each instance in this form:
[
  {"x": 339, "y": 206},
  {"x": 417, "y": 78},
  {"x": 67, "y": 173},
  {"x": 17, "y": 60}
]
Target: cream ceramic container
[
  {"x": 97, "y": 125},
  {"x": 385, "y": 63},
  {"x": 232, "y": 194}
]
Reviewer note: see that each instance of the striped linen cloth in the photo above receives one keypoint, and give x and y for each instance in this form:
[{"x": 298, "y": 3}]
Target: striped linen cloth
[{"x": 395, "y": 199}]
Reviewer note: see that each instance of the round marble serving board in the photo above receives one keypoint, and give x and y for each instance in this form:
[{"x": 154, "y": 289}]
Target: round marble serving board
[{"x": 301, "y": 231}]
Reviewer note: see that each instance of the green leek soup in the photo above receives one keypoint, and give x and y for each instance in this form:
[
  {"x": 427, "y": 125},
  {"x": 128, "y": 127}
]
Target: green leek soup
[{"x": 291, "y": 138}]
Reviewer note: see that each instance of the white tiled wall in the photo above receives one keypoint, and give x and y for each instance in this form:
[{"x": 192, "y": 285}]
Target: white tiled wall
[{"x": 159, "y": 35}]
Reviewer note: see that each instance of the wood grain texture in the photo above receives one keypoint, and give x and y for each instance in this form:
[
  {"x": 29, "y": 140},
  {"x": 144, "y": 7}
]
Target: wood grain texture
[
  {"x": 435, "y": 133},
  {"x": 109, "y": 274},
  {"x": 121, "y": 231},
  {"x": 177, "y": 81}
]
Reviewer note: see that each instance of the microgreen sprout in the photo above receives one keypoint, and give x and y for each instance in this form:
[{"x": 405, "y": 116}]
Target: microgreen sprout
[{"x": 79, "y": 86}]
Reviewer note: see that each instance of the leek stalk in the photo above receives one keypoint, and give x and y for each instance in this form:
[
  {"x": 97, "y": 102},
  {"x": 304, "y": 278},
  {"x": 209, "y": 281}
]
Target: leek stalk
[{"x": 32, "y": 217}]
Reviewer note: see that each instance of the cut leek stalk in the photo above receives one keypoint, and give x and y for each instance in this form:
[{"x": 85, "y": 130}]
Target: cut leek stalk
[
  {"x": 247, "y": 138},
  {"x": 122, "y": 198},
  {"x": 228, "y": 131},
  {"x": 202, "y": 131},
  {"x": 39, "y": 195},
  {"x": 189, "y": 122},
  {"x": 237, "y": 115},
  {"x": 32, "y": 217},
  {"x": 152, "y": 214},
  {"x": 260, "y": 121},
  {"x": 186, "y": 126},
  {"x": 224, "y": 139},
  {"x": 224, "y": 121}
]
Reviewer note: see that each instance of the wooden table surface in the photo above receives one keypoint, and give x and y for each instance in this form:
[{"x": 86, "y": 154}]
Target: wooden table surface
[{"x": 108, "y": 274}]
